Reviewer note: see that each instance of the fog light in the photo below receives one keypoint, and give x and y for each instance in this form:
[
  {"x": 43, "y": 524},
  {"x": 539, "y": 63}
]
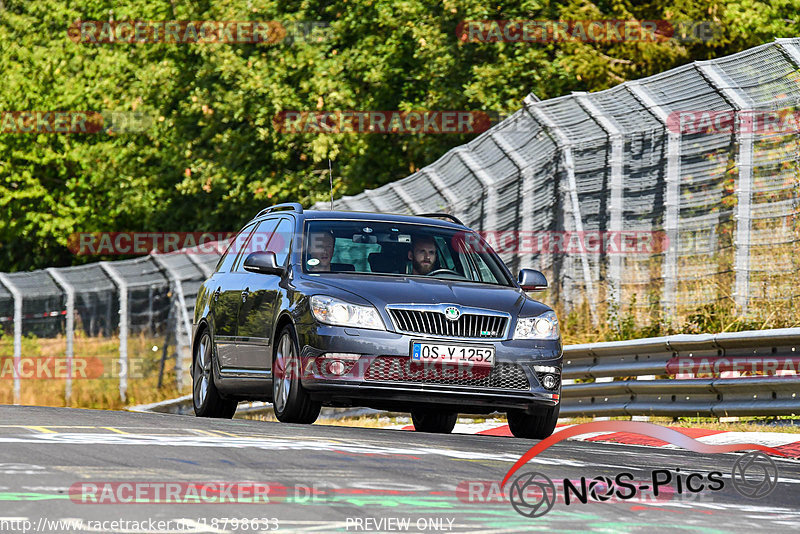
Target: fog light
[
  {"x": 549, "y": 381},
  {"x": 336, "y": 367}
]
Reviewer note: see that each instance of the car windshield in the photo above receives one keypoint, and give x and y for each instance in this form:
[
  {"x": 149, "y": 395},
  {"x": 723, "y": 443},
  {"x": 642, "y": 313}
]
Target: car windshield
[{"x": 400, "y": 249}]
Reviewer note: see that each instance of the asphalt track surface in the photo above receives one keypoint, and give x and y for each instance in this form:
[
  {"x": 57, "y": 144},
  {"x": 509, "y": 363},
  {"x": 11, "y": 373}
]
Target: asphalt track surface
[{"x": 338, "y": 479}]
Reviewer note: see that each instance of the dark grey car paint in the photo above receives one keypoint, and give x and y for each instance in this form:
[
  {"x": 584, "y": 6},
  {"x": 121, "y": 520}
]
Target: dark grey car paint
[{"x": 285, "y": 299}]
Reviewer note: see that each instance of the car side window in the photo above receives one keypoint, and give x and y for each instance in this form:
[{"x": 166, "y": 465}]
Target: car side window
[
  {"x": 257, "y": 241},
  {"x": 237, "y": 243},
  {"x": 281, "y": 240}
]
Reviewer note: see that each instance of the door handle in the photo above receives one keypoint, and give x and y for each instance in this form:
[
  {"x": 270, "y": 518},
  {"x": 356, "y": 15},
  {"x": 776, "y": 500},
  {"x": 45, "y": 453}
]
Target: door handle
[
  {"x": 216, "y": 294},
  {"x": 245, "y": 293}
]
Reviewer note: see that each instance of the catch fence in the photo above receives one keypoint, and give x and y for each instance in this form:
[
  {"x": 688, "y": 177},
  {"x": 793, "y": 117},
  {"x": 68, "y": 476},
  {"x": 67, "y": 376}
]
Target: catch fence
[{"x": 672, "y": 192}]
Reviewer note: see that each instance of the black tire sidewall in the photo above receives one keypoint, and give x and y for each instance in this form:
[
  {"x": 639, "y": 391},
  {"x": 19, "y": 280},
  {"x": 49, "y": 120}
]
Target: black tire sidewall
[
  {"x": 299, "y": 407},
  {"x": 434, "y": 421},
  {"x": 203, "y": 408},
  {"x": 215, "y": 405},
  {"x": 287, "y": 330},
  {"x": 534, "y": 426}
]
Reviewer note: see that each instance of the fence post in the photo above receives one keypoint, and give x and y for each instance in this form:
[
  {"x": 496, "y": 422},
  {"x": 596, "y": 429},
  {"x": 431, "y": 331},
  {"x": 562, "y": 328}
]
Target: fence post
[
  {"x": 487, "y": 181},
  {"x": 672, "y": 197},
  {"x": 181, "y": 318},
  {"x": 122, "y": 287},
  {"x": 790, "y": 46},
  {"x": 744, "y": 188},
  {"x": 615, "y": 206},
  {"x": 17, "y": 296},
  {"x": 204, "y": 268},
  {"x": 528, "y": 200},
  {"x": 70, "y": 326},
  {"x": 569, "y": 164}
]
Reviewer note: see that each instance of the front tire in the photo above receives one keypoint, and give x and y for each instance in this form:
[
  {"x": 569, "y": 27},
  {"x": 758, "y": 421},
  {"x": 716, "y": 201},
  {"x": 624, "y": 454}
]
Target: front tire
[
  {"x": 291, "y": 403},
  {"x": 205, "y": 397},
  {"x": 434, "y": 421},
  {"x": 534, "y": 426}
]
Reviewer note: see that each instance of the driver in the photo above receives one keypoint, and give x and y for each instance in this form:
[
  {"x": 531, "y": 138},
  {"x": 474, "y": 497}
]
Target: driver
[
  {"x": 320, "y": 251},
  {"x": 422, "y": 255}
]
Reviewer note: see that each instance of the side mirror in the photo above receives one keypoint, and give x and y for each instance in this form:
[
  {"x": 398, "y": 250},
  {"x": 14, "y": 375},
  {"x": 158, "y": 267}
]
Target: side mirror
[
  {"x": 531, "y": 280},
  {"x": 262, "y": 262}
]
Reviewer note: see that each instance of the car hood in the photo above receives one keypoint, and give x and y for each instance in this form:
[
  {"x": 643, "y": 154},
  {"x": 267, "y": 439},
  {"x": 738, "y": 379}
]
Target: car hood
[{"x": 383, "y": 290}]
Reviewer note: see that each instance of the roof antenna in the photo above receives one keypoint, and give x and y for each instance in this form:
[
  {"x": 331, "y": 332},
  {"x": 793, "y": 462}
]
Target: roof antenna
[{"x": 330, "y": 175}]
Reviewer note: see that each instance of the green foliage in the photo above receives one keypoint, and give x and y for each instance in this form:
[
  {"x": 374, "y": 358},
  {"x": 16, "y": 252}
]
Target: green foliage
[{"x": 212, "y": 158}]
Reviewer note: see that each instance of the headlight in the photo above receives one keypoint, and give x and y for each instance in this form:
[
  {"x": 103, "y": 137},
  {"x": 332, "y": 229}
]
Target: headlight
[
  {"x": 543, "y": 327},
  {"x": 338, "y": 312}
]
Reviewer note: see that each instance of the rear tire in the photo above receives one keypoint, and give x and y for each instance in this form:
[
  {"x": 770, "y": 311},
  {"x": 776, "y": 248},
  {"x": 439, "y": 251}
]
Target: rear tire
[
  {"x": 534, "y": 426},
  {"x": 205, "y": 396},
  {"x": 291, "y": 403},
  {"x": 434, "y": 421}
]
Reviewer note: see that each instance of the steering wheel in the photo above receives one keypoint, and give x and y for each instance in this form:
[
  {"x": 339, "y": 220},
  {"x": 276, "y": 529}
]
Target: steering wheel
[{"x": 442, "y": 271}]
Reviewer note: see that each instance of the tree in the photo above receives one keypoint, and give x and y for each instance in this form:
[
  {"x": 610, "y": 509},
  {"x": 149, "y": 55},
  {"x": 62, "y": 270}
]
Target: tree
[{"x": 212, "y": 158}]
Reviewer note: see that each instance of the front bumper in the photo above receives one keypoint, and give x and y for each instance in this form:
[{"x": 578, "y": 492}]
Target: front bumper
[{"x": 380, "y": 373}]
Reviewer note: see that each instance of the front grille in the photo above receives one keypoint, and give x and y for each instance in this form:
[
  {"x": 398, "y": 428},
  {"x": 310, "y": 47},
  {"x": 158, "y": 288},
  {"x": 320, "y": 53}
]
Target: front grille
[
  {"x": 434, "y": 323},
  {"x": 403, "y": 369}
]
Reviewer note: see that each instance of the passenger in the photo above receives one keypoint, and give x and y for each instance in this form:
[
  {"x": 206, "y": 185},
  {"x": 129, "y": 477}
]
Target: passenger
[
  {"x": 422, "y": 255},
  {"x": 320, "y": 251}
]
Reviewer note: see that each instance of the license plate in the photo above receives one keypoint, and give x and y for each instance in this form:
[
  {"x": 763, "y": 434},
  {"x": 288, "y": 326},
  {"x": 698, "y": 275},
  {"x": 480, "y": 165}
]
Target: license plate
[{"x": 445, "y": 352}]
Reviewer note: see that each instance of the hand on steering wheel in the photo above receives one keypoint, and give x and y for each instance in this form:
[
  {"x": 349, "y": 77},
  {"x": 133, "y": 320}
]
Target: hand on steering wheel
[{"x": 437, "y": 271}]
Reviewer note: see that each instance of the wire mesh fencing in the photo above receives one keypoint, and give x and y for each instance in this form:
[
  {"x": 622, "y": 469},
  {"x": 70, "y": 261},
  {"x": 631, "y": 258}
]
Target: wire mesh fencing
[
  {"x": 673, "y": 192},
  {"x": 99, "y": 329}
]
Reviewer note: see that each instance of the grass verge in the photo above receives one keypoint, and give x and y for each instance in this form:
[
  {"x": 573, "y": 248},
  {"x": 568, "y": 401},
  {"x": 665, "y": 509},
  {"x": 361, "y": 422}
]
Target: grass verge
[{"x": 95, "y": 382}]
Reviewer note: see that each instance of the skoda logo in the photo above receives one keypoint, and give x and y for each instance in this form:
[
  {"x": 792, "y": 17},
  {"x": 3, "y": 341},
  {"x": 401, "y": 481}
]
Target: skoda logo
[{"x": 452, "y": 313}]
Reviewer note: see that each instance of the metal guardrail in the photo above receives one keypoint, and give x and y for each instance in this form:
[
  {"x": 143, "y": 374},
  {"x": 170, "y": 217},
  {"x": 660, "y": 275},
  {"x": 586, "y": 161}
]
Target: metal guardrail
[
  {"x": 631, "y": 377},
  {"x": 626, "y": 378}
]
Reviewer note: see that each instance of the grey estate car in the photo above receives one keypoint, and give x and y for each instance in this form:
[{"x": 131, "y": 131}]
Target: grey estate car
[{"x": 404, "y": 313}]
